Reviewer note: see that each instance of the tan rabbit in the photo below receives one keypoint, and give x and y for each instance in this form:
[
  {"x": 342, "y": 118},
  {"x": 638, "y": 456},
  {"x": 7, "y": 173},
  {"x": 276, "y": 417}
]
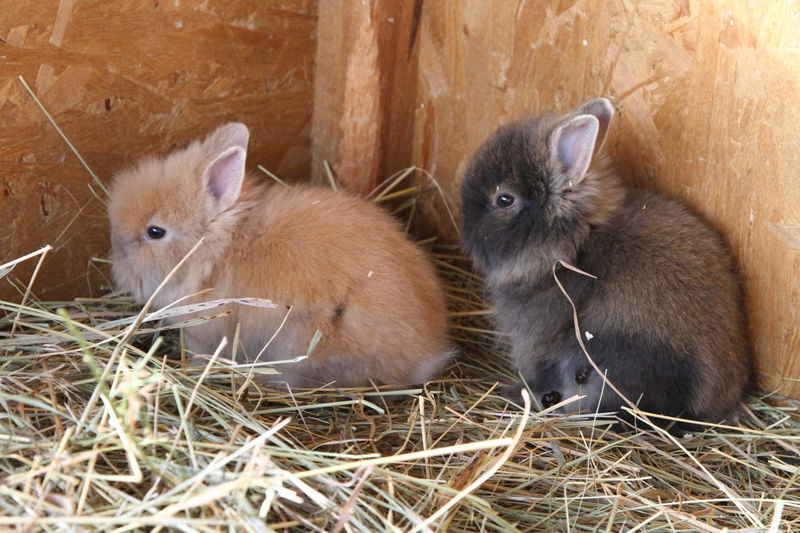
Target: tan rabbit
[{"x": 339, "y": 262}]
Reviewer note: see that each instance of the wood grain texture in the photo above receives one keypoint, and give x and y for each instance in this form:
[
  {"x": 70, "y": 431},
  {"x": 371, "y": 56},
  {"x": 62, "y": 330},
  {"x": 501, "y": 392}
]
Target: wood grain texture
[
  {"x": 129, "y": 77},
  {"x": 708, "y": 100},
  {"x": 366, "y": 67},
  {"x": 708, "y": 95}
]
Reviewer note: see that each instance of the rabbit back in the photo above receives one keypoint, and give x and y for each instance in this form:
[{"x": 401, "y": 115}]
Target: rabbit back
[
  {"x": 664, "y": 314},
  {"x": 663, "y": 317},
  {"x": 337, "y": 264}
]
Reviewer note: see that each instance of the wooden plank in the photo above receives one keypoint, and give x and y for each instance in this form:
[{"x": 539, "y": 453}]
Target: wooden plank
[
  {"x": 364, "y": 89},
  {"x": 128, "y": 77},
  {"x": 708, "y": 95}
]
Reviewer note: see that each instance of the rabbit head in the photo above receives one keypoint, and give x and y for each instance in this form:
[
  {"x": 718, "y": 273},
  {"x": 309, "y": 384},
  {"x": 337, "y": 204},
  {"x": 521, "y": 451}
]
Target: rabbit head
[
  {"x": 529, "y": 195},
  {"x": 162, "y": 207}
]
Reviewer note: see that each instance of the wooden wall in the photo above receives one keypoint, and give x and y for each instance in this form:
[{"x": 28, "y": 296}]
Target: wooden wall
[
  {"x": 365, "y": 89},
  {"x": 124, "y": 78},
  {"x": 708, "y": 95}
]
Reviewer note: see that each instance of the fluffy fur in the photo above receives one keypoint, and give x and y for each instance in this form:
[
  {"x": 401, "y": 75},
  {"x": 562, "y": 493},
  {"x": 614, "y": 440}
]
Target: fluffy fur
[
  {"x": 666, "y": 309},
  {"x": 341, "y": 263}
]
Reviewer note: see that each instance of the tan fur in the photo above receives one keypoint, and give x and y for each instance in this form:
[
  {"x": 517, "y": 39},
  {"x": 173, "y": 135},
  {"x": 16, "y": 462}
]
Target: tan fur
[{"x": 340, "y": 263}]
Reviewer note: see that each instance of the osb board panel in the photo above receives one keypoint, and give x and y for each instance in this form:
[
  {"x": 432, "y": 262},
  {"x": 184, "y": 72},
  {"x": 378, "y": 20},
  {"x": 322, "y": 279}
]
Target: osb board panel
[
  {"x": 709, "y": 110},
  {"x": 129, "y": 77},
  {"x": 364, "y": 82}
]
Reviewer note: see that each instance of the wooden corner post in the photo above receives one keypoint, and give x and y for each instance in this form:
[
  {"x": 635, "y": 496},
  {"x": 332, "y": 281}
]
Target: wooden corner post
[{"x": 364, "y": 90}]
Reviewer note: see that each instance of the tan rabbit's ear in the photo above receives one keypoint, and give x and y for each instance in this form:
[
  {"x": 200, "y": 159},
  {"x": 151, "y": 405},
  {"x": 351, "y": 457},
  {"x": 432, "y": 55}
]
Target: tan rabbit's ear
[
  {"x": 226, "y": 149},
  {"x": 572, "y": 146},
  {"x": 603, "y": 111},
  {"x": 226, "y": 136},
  {"x": 224, "y": 175}
]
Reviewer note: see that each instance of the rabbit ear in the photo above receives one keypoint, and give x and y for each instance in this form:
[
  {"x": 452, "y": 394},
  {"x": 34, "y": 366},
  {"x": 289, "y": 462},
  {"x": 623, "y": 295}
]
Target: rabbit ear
[
  {"x": 603, "y": 111},
  {"x": 572, "y": 145},
  {"x": 226, "y": 147},
  {"x": 227, "y": 135},
  {"x": 223, "y": 176}
]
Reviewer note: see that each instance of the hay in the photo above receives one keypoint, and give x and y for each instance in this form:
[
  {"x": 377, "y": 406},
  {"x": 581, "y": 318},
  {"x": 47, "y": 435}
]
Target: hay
[
  {"x": 103, "y": 426},
  {"x": 98, "y": 434}
]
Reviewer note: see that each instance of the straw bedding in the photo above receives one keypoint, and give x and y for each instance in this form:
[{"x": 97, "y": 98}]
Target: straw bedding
[{"x": 102, "y": 426}]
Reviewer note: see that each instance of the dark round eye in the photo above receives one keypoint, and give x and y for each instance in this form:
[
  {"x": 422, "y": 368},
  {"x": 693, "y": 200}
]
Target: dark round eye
[
  {"x": 156, "y": 232},
  {"x": 504, "y": 200}
]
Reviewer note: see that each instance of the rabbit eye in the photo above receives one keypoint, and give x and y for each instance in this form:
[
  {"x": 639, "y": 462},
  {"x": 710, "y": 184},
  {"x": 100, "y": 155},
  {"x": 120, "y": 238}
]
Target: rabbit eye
[
  {"x": 504, "y": 200},
  {"x": 156, "y": 232}
]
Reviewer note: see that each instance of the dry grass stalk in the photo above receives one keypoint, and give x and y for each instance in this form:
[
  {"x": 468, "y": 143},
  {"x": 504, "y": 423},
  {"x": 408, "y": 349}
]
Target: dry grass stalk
[{"x": 101, "y": 429}]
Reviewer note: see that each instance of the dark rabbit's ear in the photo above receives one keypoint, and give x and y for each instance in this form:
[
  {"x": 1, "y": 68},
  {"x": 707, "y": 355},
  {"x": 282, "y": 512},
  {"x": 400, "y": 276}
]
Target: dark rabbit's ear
[
  {"x": 571, "y": 147},
  {"x": 603, "y": 111}
]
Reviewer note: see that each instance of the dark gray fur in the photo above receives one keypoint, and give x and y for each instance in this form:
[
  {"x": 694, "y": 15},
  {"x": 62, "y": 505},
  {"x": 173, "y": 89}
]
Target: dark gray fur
[{"x": 666, "y": 309}]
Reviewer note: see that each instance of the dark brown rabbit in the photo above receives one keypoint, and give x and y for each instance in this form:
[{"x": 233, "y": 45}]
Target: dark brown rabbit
[{"x": 664, "y": 317}]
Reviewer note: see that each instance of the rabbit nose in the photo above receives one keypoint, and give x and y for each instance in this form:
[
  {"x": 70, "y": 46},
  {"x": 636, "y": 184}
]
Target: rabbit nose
[
  {"x": 551, "y": 398},
  {"x": 581, "y": 376}
]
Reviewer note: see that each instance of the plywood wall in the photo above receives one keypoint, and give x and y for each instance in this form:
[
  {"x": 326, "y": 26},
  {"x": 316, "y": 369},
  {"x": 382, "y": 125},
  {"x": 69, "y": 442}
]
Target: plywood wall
[
  {"x": 708, "y": 100},
  {"x": 124, "y": 78},
  {"x": 708, "y": 95},
  {"x": 365, "y": 89}
]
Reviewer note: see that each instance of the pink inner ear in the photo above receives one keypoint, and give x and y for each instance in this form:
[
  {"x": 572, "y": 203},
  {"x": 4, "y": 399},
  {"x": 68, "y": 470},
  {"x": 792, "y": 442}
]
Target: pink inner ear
[
  {"x": 575, "y": 144},
  {"x": 224, "y": 175}
]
